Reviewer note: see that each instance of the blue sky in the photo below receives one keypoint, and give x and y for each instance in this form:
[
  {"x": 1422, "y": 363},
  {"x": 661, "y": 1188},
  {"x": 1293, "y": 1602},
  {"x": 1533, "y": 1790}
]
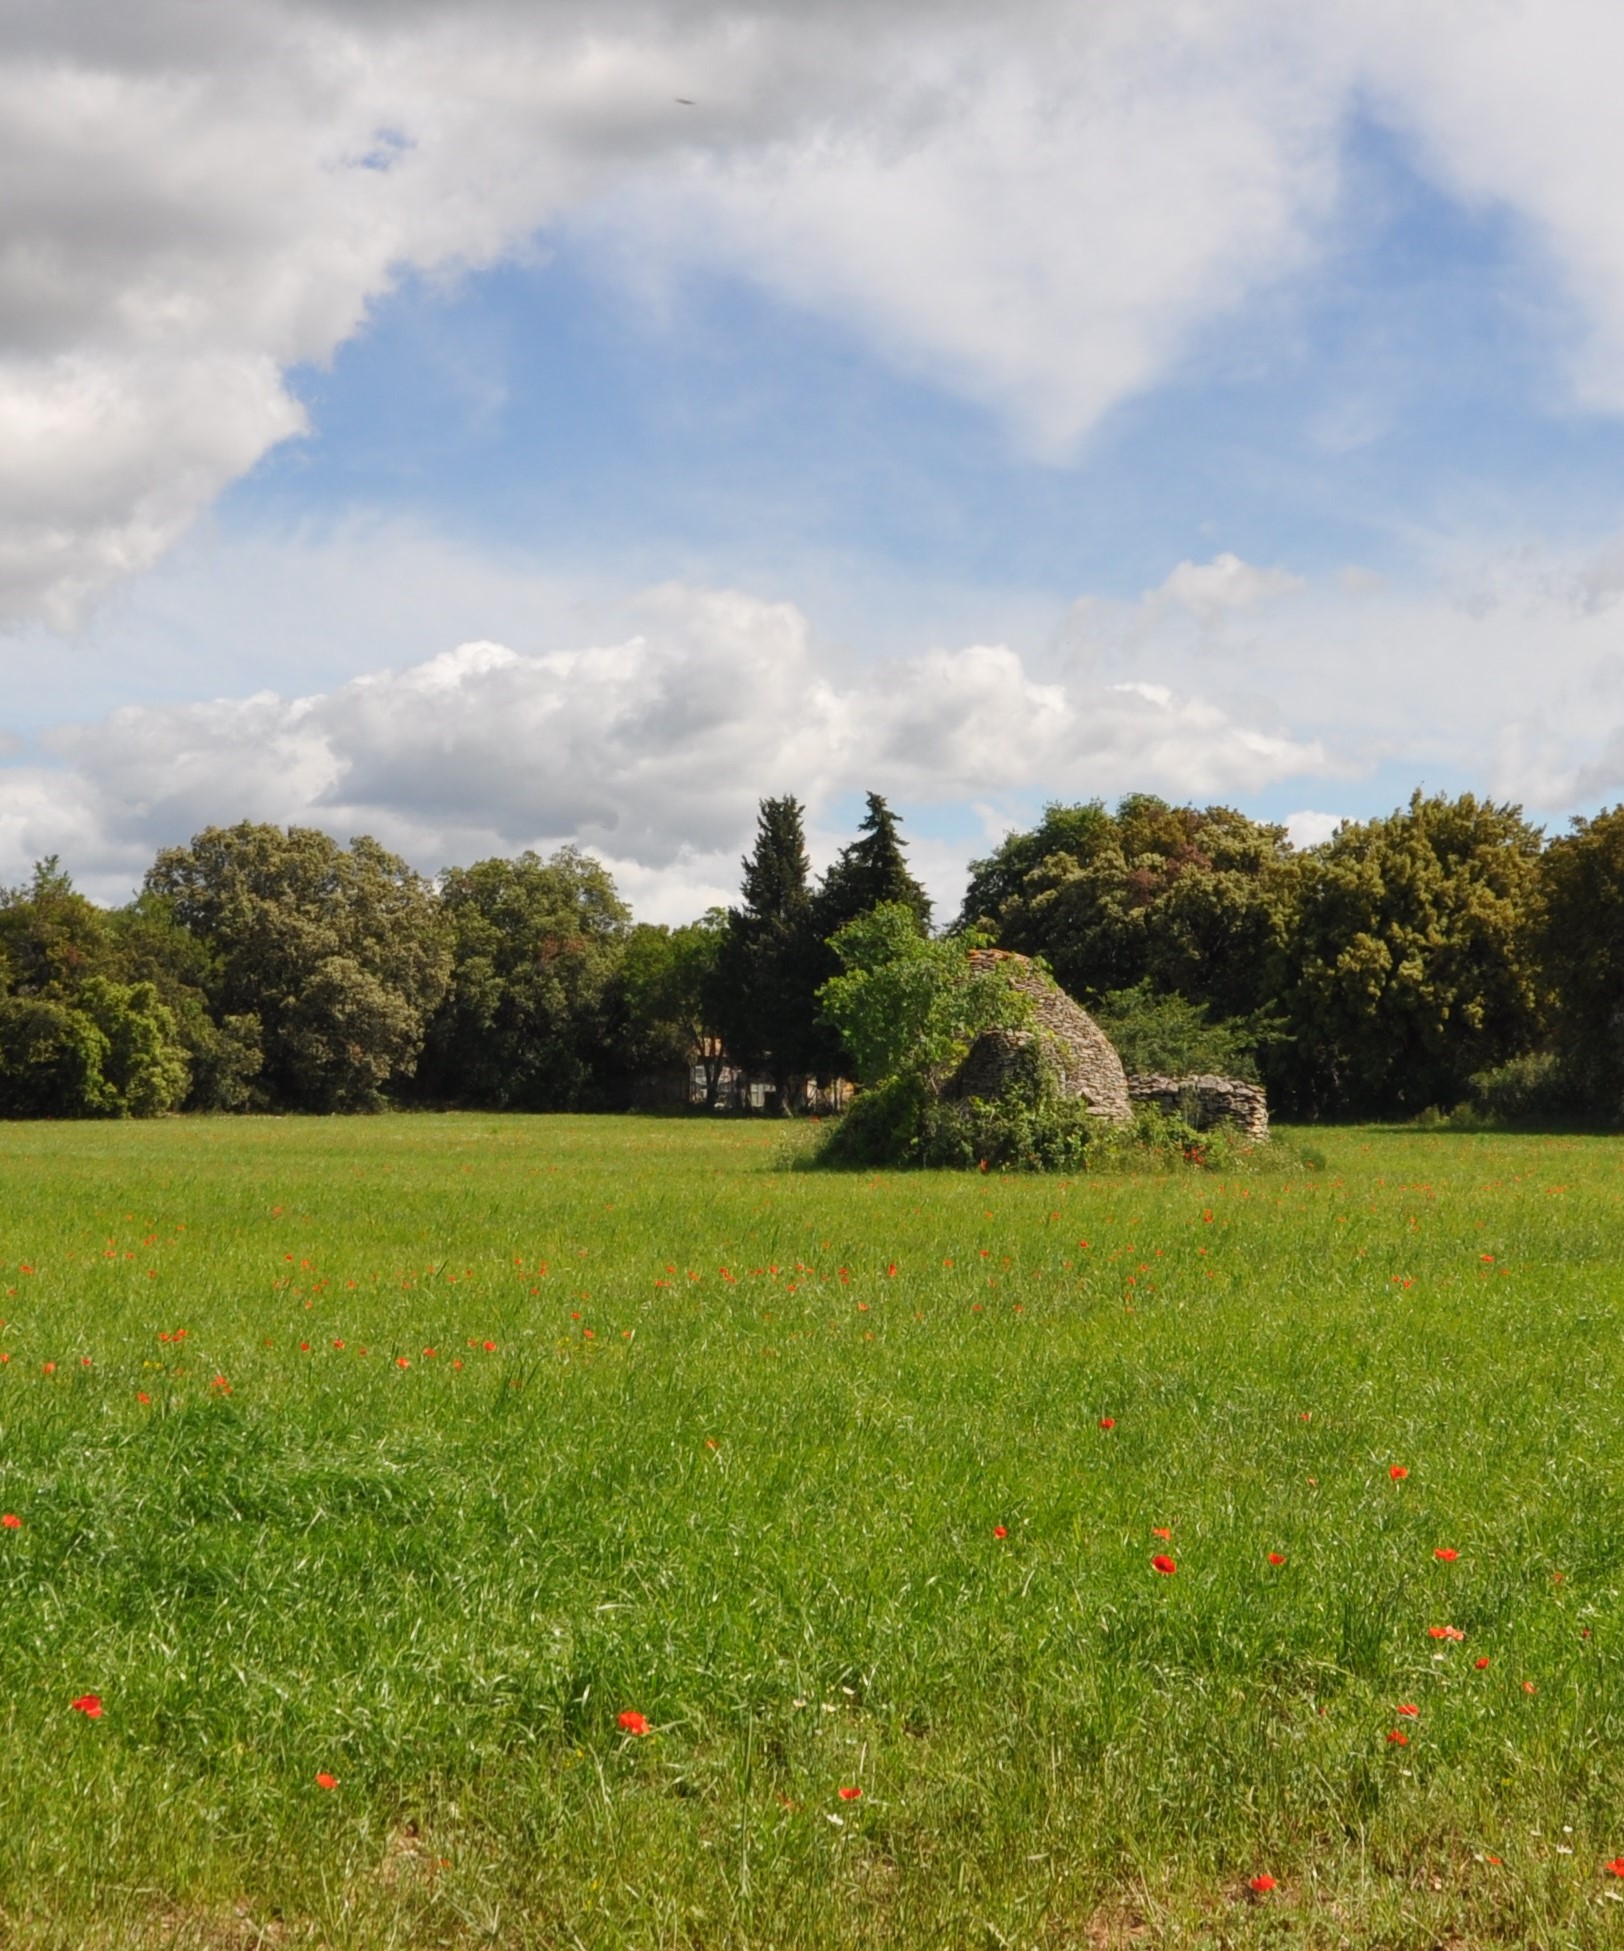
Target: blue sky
[{"x": 766, "y": 464}]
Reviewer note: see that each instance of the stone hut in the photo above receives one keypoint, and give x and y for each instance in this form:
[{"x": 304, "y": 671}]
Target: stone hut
[{"x": 1084, "y": 1061}]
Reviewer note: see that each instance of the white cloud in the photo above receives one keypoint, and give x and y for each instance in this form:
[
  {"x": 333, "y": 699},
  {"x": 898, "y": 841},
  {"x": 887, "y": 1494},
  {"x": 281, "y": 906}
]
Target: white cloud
[
  {"x": 1310, "y": 829},
  {"x": 1035, "y": 207},
  {"x": 1222, "y": 588},
  {"x": 652, "y": 750}
]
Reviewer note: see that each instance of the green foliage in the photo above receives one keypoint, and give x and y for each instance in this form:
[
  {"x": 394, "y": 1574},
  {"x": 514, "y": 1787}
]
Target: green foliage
[
  {"x": 341, "y": 954},
  {"x": 112, "y": 1053},
  {"x": 668, "y": 991},
  {"x": 1580, "y": 932},
  {"x": 1169, "y": 1035},
  {"x": 1193, "y": 901},
  {"x": 528, "y": 1020},
  {"x": 908, "y": 1004},
  {"x": 872, "y": 872},
  {"x": 1410, "y": 958}
]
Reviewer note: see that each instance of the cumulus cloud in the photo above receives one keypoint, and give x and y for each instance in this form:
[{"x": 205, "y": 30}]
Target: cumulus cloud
[
  {"x": 1224, "y": 587},
  {"x": 1034, "y": 207},
  {"x": 652, "y": 750}
]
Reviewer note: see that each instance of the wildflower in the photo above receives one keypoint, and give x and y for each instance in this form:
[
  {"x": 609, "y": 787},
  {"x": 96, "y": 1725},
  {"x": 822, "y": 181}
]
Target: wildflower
[
  {"x": 1481, "y": 1661},
  {"x": 1445, "y": 1632},
  {"x": 1277, "y": 1557},
  {"x": 1529, "y": 1687},
  {"x": 401, "y": 1362},
  {"x": 1397, "y": 1738},
  {"x": 851, "y": 1794},
  {"x": 1160, "y": 1531},
  {"x": 324, "y": 1780},
  {"x": 1446, "y": 1555},
  {"x": 1398, "y": 1473},
  {"x": 1108, "y": 1422},
  {"x": 89, "y": 1705},
  {"x": 142, "y": 1396},
  {"x": 1263, "y": 1884},
  {"x": 1616, "y": 1867},
  {"x": 635, "y": 1723},
  {"x": 1163, "y": 1564},
  {"x": 1410, "y": 1709},
  {"x": 998, "y": 1531},
  {"x": 11, "y": 1521},
  {"x": 490, "y": 1347}
]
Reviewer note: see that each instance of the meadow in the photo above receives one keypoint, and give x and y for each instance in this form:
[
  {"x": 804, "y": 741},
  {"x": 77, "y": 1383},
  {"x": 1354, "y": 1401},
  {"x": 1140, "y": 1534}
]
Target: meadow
[{"x": 592, "y": 1532}]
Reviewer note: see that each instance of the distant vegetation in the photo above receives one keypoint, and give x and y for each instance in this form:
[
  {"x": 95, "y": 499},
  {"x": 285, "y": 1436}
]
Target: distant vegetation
[{"x": 1446, "y": 960}]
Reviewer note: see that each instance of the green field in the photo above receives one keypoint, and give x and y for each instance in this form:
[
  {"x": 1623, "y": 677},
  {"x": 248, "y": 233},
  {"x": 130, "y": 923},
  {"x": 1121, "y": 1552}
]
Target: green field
[{"x": 413, "y": 1452}]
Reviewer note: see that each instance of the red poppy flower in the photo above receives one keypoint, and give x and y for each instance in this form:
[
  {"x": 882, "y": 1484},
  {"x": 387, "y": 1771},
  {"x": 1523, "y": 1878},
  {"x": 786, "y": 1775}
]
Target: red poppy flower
[
  {"x": 1397, "y": 1738},
  {"x": 12, "y": 1521},
  {"x": 999, "y": 1531},
  {"x": 1108, "y": 1422},
  {"x": 1445, "y": 1632},
  {"x": 142, "y": 1396},
  {"x": 635, "y": 1723},
  {"x": 1616, "y": 1867},
  {"x": 851, "y": 1794},
  {"x": 401, "y": 1362},
  {"x": 324, "y": 1780},
  {"x": 1481, "y": 1661},
  {"x": 1163, "y": 1564},
  {"x": 490, "y": 1347},
  {"x": 1277, "y": 1557},
  {"x": 1529, "y": 1687},
  {"x": 1408, "y": 1707},
  {"x": 1161, "y": 1531},
  {"x": 1446, "y": 1555},
  {"x": 89, "y": 1705},
  {"x": 1263, "y": 1884},
  {"x": 1398, "y": 1472}
]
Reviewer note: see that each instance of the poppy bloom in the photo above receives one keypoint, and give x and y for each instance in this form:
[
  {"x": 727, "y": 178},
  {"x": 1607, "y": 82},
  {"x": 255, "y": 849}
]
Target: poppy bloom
[
  {"x": 1163, "y": 1564},
  {"x": 1277, "y": 1557},
  {"x": 1161, "y": 1531},
  {"x": 1263, "y": 1884},
  {"x": 635, "y": 1723},
  {"x": 401, "y": 1362},
  {"x": 89, "y": 1705},
  {"x": 1108, "y": 1422},
  {"x": 12, "y": 1521},
  {"x": 1481, "y": 1661},
  {"x": 1409, "y": 1708},
  {"x": 999, "y": 1531},
  {"x": 1446, "y": 1555},
  {"x": 851, "y": 1794},
  {"x": 1529, "y": 1687},
  {"x": 324, "y": 1780},
  {"x": 1398, "y": 1473},
  {"x": 1445, "y": 1632},
  {"x": 1397, "y": 1738},
  {"x": 490, "y": 1347},
  {"x": 1616, "y": 1867}
]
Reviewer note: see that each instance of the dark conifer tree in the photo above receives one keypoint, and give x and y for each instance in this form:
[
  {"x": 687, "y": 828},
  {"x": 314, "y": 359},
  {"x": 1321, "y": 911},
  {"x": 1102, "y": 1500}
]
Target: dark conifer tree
[
  {"x": 765, "y": 972},
  {"x": 872, "y": 870}
]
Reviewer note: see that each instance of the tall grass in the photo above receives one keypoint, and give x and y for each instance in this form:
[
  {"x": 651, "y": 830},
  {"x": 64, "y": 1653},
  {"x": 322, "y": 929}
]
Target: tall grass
[{"x": 842, "y": 1483}]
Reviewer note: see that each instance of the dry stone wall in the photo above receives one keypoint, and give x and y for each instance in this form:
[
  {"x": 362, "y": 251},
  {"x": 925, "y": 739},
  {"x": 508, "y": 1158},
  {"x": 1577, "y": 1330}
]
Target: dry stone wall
[{"x": 1207, "y": 1101}]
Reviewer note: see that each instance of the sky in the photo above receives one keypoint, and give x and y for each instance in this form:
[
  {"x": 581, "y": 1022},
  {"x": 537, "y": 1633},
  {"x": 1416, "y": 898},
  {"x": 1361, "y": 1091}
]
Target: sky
[{"x": 492, "y": 424}]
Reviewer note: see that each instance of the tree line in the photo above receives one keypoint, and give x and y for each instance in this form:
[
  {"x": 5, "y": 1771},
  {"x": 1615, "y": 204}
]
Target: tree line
[{"x": 1447, "y": 954}]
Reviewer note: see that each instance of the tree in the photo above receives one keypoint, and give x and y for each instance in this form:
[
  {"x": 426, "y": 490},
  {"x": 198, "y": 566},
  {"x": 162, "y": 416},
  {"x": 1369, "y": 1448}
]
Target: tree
[
  {"x": 1580, "y": 938},
  {"x": 1193, "y": 900},
  {"x": 669, "y": 991},
  {"x": 871, "y": 871},
  {"x": 341, "y": 954},
  {"x": 768, "y": 966},
  {"x": 1410, "y": 958},
  {"x": 528, "y": 1021},
  {"x": 905, "y": 1004}
]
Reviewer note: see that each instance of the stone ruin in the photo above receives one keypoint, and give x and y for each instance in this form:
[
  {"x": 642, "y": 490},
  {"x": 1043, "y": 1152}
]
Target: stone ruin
[
  {"x": 1085, "y": 1063},
  {"x": 1207, "y": 1101}
]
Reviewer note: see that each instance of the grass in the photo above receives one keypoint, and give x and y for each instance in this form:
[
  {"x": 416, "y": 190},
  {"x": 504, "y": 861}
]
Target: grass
[{"x": 760, "y": 1507}]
